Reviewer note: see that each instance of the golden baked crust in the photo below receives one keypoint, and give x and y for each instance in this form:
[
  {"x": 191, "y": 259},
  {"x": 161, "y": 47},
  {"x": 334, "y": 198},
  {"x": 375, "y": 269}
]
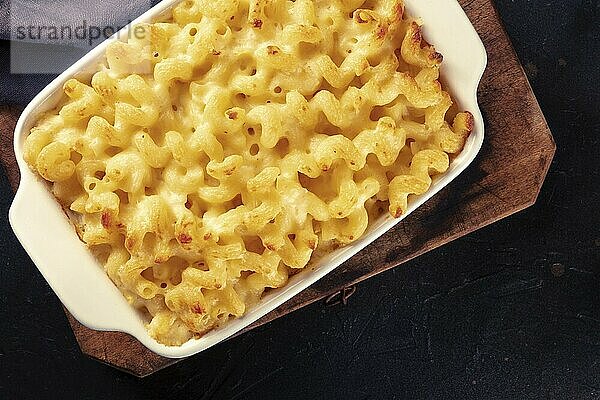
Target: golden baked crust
[{"x": 207, "y": 160}]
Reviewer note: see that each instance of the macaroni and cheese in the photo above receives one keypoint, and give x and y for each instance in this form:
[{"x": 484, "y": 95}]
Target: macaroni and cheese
[{"x": 205, "y": 161}]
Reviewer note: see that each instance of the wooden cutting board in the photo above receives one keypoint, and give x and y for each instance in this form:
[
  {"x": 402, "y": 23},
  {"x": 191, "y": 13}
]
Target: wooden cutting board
[{"x": 505, "y": 178}]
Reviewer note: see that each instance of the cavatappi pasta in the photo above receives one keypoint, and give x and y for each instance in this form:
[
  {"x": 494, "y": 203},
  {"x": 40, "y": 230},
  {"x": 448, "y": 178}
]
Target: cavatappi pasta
[{"x": 207, "y": 159}]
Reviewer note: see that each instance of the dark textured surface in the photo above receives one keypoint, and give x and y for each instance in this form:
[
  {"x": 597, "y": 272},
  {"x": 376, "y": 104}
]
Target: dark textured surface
[{"x": 511, "y": 311}]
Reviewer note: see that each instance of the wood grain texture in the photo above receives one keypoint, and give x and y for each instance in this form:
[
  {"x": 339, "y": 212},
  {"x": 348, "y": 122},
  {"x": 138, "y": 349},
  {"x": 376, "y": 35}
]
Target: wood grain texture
[{"x": 505, "y": 178}]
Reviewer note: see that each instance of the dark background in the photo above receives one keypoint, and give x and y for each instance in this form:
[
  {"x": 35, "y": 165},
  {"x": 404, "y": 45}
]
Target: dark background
[{"x": 510, "y": 311}]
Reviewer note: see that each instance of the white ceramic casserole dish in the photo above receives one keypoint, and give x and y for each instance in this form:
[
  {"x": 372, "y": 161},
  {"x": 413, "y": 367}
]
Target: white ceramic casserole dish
[{"x": 79, "y": 280}]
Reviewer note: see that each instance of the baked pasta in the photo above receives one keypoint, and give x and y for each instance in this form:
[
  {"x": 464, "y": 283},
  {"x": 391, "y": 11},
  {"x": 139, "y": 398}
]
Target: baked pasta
[{"x": 209, "y": 158}]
